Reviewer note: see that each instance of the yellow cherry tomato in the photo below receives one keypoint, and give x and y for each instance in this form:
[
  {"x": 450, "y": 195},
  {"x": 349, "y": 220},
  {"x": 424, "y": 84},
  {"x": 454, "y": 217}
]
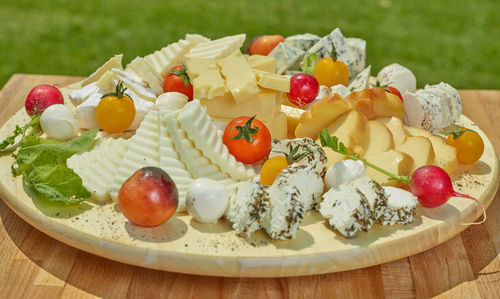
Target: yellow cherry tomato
[
  {"x": 271, "y": 168},
  {"x": 331, "y": 72},
  {"x": 116, "y": 111},
  {"x": 469, "y": 145}
]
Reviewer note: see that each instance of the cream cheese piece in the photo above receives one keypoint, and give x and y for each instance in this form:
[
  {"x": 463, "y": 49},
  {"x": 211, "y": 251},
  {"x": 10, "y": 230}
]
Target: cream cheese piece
[
  {"x": 240, "y": 79},
  {"x": 171, "y": 100},
  {"x": 59, "y": 122},
  {"x": 97, "y": 167},
  {"x": 194, "y": 120},
  {"x": 206, "y": 79},
  {"x": 143, "y": 150},
  {"x": 113, "y": 62},
  {"x": 217, "y": 48},
  {"x": 343, "y": 172},
  {"x": 206, "y": 200}
]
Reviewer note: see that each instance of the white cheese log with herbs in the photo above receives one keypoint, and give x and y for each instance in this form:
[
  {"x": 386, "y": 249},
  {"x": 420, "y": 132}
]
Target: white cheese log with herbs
[
  {"x": 171, "y": 162},
  {"x": 316, "y": 160},
  {"x": 113, "y": 62},
  {"x": 451, "y": 98},
  {"x": 196, "y": 163},
  {"x": 361, "y": 81},
  {"x": 287, "y": 57},
  {"x": 248, "y": 203},
  {"x": 140, "y": 68},
  {"x": 302, "y": 41},
  {"x": 217, "y": 48},
  {"x": 143, "y": 150},
  {"x": 199, "y": 127},
  {"x": 97, "y": 167},
  {"x": 401, "y": 206},
  {"x": 399, "y": 77}
]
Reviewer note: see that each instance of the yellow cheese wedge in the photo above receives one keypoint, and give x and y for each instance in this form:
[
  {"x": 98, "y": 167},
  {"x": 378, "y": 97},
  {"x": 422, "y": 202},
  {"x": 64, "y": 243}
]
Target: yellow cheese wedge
[
  {"x": 320, "y": 115},
  {"x": 393, "y": 161},
  {"x": 420, "y": 149},
  {"x": 113, "y": 62},
  {"x": 262, "y": 63},
  {"x": 445, "y": 155},
  {"x": 378, "y": 138},
  {"x": 265, "y": 106},
  {"x": 240, "y": 79},
  {"x": 272, "y": 81},
  {"x": 395, "y": 125},
  {"x": 376, "y": 102},
  {"x": 205, "y": 77}
]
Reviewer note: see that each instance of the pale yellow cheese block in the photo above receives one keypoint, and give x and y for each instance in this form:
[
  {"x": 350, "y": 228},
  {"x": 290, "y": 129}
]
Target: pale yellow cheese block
[
  {"x": 113, "y": 62},
  {"x": 378, "y": 138},
  {"x": 206, "y": 78},
  {"x": 272, "y": 81},
  {"x": 320, "y": 115},
  {"x": 445, "y": 155},
  {"x": 394, "y": 161},
  {"x": 420, "y": 149},
  {"x": 265, "y": 106},
  {"x": 240, "y": 79},
  {"x": 262, "y": 63}
]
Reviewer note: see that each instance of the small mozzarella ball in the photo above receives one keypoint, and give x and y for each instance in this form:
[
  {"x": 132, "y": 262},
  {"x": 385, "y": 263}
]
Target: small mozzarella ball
[
  {"x": 206, "y": 200},
  {"x": 171, "y": 100},
  {"x": 59, "y": 122},
  {"x": 343, "y": 172}
]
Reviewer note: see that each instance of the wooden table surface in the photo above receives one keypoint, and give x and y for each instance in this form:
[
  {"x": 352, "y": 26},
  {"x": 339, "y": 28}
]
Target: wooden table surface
[{"x": 35, "y": 265}]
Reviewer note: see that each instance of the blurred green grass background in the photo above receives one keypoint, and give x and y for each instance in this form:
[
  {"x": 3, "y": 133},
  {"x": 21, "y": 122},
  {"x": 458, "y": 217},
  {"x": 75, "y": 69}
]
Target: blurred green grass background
[{"x": 455, "y": 41}]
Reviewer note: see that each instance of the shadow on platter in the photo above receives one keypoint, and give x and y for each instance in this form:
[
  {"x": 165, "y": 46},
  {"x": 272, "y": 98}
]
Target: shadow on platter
[
  {"x": 260, "y": 239},
  {"x": 169, "y": 231},
  {"x": 222, "y": 226},
  {"x": 55, "y": 209}
]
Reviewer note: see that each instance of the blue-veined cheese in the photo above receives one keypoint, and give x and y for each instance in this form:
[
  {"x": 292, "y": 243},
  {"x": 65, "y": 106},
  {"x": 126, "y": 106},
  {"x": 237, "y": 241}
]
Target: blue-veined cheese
[
  {"x": 143, "y": 150},
  {"x": 361, "y": 81},
  {"x": 216, "y": 48},
  {"x": 194, "y": 120},
  {"x": 302, "y": 41},
  {"x": 287, "y": 57}
]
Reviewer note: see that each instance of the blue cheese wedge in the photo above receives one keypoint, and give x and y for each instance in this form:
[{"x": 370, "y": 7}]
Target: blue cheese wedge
[
  {"x": 248, "y": 203},
  {"x": 287, "y": 57},
  {"x": 308, "y": 182},
  {"x": 361, "y": 81},
  {"x": 401, "y": 206},
  {"x": 282, "y": 219},
  {"x": 302, "y": 41}
]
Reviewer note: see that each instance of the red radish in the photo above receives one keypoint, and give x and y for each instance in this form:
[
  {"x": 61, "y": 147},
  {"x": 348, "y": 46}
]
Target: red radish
[
  {"x": 41, "y": 97},
  {"x": 433, "y": 187},
  {"x": 304, "y": 88}
]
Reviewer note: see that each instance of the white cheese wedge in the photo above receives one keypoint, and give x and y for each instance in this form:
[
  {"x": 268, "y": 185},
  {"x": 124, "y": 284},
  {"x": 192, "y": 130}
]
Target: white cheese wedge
[
  {"x": 206, "y": 78},
  {"x": 143, "y": 150},
  {"x": 171, "y": 162},
  {"x": 97, "y": 167},
  {"x": 196, "y": 163},
  {"x": 239, "y": 77},
  {"x": 194, "y": 120},
  {"x": 113, "y": 62},
  {"x": 163, "y": 60},
  {"x": 292, "y": 111},
  {"x": 399, "y": 77},
  {"x": 140, "y": 68},
  {"x": 361, "y": 81},
  {"x": 401, "y": 204},
  {"x": 287, "y": 57},
  {"x": 132, "y": 85},
  {"x": 217, "y": 48},
  {"x": 196, "y": 38},
  {"x": 78, "y": 96}
]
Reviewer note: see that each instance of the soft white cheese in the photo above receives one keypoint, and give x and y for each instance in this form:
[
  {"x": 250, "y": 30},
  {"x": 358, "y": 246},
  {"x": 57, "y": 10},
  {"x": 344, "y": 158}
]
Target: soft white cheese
[
  {"x": 341, "y": 90},
  {"x": 59, "y": 122},
  {"x": 343, "y": 172},
  {"x": 206, "y": 200},
  {"x": 399, "y": 77},
  {"x": 171, "y": 100},
  {"x": 80, "y": 95}
]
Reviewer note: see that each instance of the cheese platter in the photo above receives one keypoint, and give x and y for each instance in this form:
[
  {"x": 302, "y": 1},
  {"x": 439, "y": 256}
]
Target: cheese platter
[{"x": 311, "y": 217}]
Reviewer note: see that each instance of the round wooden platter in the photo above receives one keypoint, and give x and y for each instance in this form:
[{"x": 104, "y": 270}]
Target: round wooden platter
[{"x": 183, "y": 245}]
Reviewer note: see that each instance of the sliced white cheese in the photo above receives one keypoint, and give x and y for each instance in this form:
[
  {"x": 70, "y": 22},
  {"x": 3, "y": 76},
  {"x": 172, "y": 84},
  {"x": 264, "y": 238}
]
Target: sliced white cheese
[
  {"x": 78, "y": 96},
  {"x": 217, "y": 48},
  {"x": 140, "y": 68},
  {"x": 168, "y": 57},
  {"x": 143, "y": 150}
]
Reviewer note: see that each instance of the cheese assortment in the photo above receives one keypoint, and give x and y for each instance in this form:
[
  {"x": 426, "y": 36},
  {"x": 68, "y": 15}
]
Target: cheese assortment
[{"x": 182, "y": 135}]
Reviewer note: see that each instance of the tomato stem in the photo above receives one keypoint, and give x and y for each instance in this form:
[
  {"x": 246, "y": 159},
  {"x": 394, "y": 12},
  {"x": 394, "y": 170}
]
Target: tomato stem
[{"x": 246, "y": 131}]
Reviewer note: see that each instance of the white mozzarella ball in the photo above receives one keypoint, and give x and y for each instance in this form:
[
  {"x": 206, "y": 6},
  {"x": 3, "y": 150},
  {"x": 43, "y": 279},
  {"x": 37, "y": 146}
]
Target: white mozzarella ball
[
  {"x": 206, "y": 200},
  {"x": 343, "y": 172},
  {"x": 171, "y": 100},
  {"x": 399, "y": 77},
  {"x": 59, "y": 122}
]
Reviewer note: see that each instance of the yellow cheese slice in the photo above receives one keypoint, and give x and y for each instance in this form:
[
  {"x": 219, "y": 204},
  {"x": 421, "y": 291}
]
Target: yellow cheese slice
[
  {"x": 262, "y": 63},
  {"x": 113, "y": 62},
  {"x": 206, "y": 79},
  {"x": 445, "y": 155},
  {"x": 378, "y": 138},
  {"x": 393, "y": 161},
  {"x": 240, "y": 79},
  {"x": 272, "y": 81},
  {"x": 412, "y": 131},
  {"x": 395, "y": 125},
  {"x": 420, "y": 149}
]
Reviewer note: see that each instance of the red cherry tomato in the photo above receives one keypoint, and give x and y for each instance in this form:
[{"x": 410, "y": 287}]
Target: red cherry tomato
[
  {"x": 393, "y": 90},
  {"x": 177, "y": 80},
  {"x": 247, "y": 139},
  {"x": 304, "y": 89}
]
